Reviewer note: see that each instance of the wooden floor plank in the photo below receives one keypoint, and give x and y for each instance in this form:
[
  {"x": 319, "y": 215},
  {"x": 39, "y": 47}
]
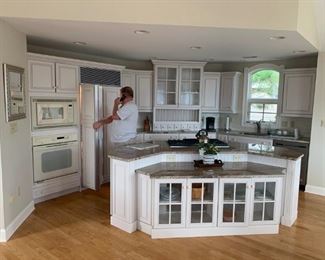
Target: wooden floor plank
[{"x": 77, "y": 226}]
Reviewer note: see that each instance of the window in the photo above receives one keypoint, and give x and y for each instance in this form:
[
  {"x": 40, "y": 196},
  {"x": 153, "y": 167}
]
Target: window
[{"x": 262, "y": 93}]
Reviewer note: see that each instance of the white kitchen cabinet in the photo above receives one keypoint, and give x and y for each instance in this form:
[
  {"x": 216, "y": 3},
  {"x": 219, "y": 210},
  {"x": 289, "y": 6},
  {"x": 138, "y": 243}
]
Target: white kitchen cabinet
[
  {"x": 41, "y": 76},
  {"x": 169, "y": 203},
  {"x": 229, "y": 91},
  {"x": 67, "y": 78},
  {"x": 53, "y": 77},
  {"x": 298, "y": 92},
  {"x": 144, "y": 91},
  {"x": 201, "y": 200},
  {"x": 234, "y": 201},
  {"x": 166, "y": 85},
  {"x": 265, "y": 202},
  {"x": 210, "y": 91},
  {"x": 128, "y": 78}
]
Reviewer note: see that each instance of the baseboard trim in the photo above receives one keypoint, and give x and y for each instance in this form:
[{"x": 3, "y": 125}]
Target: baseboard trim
[
  {"x": 315, "y": 190},
  {"x": 127, "y": 227},
  {"x": 5, "y": 234}
]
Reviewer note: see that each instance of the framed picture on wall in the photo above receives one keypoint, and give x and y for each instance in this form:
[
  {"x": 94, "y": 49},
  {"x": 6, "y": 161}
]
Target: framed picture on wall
[{"x": 14, "y": 86}]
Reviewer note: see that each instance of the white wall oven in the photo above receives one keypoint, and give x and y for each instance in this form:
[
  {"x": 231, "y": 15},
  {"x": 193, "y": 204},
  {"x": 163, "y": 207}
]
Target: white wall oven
[
  {"x": 55, "y": 156},
  {"x": 52, "y": 113}
]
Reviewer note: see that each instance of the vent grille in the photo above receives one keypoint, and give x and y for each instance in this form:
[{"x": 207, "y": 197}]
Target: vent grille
[{"x": 100, "y": 76}]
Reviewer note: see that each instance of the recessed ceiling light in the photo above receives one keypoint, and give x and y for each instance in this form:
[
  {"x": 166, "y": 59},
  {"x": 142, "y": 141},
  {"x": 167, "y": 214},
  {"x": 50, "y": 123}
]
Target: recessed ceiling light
[
  {"x": 141, "y": 32},
  {"x": 80, "y": 43},
  {"x": 299, "y": 51},
  {"x": 195, "y": 47},
  {"x": 277, "y": 37},
  {"x": 250, "y": 57}
]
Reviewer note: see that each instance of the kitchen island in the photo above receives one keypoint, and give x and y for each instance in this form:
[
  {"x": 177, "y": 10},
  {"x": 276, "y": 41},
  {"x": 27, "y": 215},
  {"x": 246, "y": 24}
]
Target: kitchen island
[{"x": 152, "y": 190}]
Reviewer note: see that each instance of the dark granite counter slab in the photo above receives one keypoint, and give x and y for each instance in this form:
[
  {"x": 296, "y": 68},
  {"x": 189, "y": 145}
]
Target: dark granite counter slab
[
  {"x": 126, "y": 153},
  {"x": 229, "y": 170}
]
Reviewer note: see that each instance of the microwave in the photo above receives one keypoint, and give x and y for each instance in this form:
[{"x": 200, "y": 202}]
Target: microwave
[{"x": 54, "y": 113}]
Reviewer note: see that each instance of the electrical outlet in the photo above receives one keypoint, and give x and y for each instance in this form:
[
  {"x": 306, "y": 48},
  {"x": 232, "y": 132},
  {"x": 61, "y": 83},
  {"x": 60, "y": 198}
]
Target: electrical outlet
[
  {"x": 171, "y": 157},
  {"x": 13, "y": 127},
  {"x": 284, "y": 124},
  {"x": 292, "y": 124},
  {"x": 236, "y": 158},
  {"x": 11, "y": 199}
]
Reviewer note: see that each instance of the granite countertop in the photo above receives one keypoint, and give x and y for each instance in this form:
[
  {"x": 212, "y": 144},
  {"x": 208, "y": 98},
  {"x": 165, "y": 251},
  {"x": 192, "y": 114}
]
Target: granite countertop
[
  {"x": 126, "y": 153},
  {"x": 229, "y": 169}
]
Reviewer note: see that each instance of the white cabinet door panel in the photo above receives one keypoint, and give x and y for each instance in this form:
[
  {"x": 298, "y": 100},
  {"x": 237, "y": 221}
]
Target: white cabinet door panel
[
  {"x": 144, "y": 92},
  {"x": 41, "y": 76},
  {"x": 210, "y": 93},
  {"x": 129, "y": 79},
  {"x": 67, "y": 78}
]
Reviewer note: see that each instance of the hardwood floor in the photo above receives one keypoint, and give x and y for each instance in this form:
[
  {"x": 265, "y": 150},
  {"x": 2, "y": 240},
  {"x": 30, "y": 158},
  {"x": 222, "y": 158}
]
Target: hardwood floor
[{"x": 76, "y": 226}]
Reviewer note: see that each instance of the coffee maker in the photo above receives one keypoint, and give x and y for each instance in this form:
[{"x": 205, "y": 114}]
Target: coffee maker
[{"x": 210, "y": 124}]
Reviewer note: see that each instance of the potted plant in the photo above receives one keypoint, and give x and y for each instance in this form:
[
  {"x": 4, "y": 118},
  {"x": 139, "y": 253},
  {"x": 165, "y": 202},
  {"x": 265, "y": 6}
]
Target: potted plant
[{"x": 209, "y": 152}]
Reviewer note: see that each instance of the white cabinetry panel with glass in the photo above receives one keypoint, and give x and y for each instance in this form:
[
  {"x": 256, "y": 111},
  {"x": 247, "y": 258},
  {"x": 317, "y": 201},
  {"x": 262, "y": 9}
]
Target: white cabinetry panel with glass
[
  {"x": 229, "y": 91},
  {"x": 210, "y": 91},
  {"x": 53, "y": 77},
  {"x": 298, "y": 92}
]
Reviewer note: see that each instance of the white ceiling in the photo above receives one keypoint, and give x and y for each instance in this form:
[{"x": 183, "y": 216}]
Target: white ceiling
[{"x": 164, "y": 42}]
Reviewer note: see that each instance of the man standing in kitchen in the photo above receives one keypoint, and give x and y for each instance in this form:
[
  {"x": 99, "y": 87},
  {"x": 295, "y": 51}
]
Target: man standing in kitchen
[{"x": 124, "y": 118}]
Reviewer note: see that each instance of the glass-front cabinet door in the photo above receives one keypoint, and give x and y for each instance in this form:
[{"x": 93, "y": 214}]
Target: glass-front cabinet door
[
  {"x": 265, "y": 202},
  {"x": 202, "y": 202},
  {"x": 166, "y": 85},
  {"x": 233, "y": 202},
  {"x": 169, "y": 203},
  {"x": 190, "y": 86}
]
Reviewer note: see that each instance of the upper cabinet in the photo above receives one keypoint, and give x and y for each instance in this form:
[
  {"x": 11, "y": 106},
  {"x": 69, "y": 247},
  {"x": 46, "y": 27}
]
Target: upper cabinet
[
  {"x": 177, "y": 84},
  {"x": 229, "y": 90},
  {"x": 52, "y": 77},
  {"x": 210, "y": 91},
  {"x": 298, "y": 92},
  {"x": 141, "y": 83}
]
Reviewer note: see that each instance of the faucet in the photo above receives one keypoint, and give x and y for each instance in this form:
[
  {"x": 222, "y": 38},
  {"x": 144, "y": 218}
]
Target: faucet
[{"x": 258, "y": 126}]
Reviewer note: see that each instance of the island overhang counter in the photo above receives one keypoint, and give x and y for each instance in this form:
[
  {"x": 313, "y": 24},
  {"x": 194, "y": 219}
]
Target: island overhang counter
[{"x": 140, "y": 182}]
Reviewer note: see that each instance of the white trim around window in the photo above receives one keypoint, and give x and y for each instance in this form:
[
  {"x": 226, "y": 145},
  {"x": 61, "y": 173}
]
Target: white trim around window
[{"x": 247, "y": 72}]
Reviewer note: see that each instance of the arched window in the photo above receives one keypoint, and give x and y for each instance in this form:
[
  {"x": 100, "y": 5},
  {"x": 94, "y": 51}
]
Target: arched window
[{"x": 262, "y": 93}]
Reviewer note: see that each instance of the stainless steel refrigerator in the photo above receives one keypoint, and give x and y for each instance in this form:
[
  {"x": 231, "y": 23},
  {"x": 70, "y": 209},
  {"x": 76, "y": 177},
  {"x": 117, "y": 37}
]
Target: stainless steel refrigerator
[{"x": 96, "y": 102}]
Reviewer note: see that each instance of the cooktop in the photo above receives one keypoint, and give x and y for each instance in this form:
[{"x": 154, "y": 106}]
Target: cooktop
[{"x": 191, "y": 142}]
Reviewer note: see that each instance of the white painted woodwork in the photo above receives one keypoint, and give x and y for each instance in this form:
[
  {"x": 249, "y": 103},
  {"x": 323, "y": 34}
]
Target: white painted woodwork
[
  {"x": 128, "y": 78},
  {"x": 298, "y": 92},
  {"x": 210, "y": 91},
  {"x": 67, "y": 78},
  {"x": 144, "y": 91},
  {"x": 233, "y": 202},
  {"x": 144, "y": 199},
  {"x": 229, "y": 90},
  {"x": 244, "y": 139},
  {"x": 41, "y": 76}
]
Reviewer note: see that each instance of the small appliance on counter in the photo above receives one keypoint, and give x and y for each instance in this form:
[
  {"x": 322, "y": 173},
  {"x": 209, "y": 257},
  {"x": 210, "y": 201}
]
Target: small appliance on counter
[
  {"x": 210, "y": 124},
  {"x": 202, "y": 136}
]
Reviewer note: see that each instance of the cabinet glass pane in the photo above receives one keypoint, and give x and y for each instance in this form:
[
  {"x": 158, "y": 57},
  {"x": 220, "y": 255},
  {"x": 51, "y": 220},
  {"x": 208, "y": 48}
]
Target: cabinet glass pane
[
  {"x": 172, "y": 73},
  {"x": 186, "y": 86},
  {"x": 208, "y": 192},
  {"x": 258, "y": 212},
  {"x": 162, "y": 73},
  {"x": 164, "y": 192},
  {"x": 269, "y": 211},
  {"x": 239, "y": 212},
  {"x": 195, "y": 99},
  {"x": 270, "y": 191},
  {"x": 228, "y": 193},
  {"x": 176, "y": 215},
  {"x": 176, "y": 192},
  {"x": 227, "y": 212},
  {"x": 161, "y": 86},
  {"x": 196, "y": 74},
  {"x": 171, "y": 99},
  {"x": 196, "y": 191},
  {"x": 240, "y": 191},
  {"x": 171, "y": 86},
  {"x": 164, "y": 214},
  {"x": 259, "y": 191},
  {"x": 185, "y": 99},
  {"x": 195, "y": 87},
  {"x": 196, "y": 213},
  {"x": 161, "y": 98},
  {"x": 207, "y": 213},
  {"x": 186, "y": 74}
]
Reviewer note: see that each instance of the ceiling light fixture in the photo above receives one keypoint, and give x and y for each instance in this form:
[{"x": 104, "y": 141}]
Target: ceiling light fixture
[
  {"x": 80, "y": 43},
  {"x": 195, "y": 47},
  {"x": 277, "y": 37},
  {"x": 250, "y": 57},
  {"x": 299, "y": 51},
  {"x": 141, "y": 32}
]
